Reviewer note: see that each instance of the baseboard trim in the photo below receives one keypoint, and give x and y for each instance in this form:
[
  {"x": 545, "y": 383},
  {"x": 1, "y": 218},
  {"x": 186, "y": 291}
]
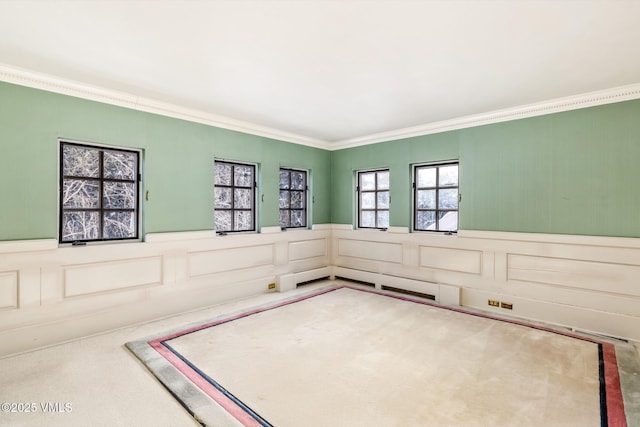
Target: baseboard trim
[
  {"x": 443, "y": 294},
  {"x": 288, "y": 282}
]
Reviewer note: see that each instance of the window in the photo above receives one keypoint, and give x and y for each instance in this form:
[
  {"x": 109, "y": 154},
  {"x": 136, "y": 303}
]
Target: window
[
  {"x": 436, "y": 197},
  {"x": 99, "y": 193},
  {"x": 293, "y": 198},
  {"x": 373, "y": 199},
  {"x": 235, "y": 185}
]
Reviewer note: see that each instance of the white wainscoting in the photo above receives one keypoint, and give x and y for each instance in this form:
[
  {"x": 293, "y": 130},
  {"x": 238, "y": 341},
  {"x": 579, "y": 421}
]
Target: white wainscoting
[
  {"x": 462, "y": 260},
  {"x": 111, "y": 276},
  {"x": 8, "y": 289},
  {"x": 308, "y": 249},
  {"x": 582, "y": 282},
  {"x": 50, "y": 295},
  {"x": 371, "y": 250},
  {"x": 229, "y": 259}
]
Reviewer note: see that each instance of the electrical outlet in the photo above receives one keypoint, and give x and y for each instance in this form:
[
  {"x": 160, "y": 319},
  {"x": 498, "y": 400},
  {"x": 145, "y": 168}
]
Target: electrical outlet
[
  {"x": 493, "y": 303},
  {"x": 507, "y": 305},
  {"x": 271, "y": 286}
]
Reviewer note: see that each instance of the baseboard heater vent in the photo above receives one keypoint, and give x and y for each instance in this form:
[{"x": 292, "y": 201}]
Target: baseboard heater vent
[
  {"x": 407, "y": 292},
  {"x": 360, "y": 282},
  {"x": 308, "y": 282}
]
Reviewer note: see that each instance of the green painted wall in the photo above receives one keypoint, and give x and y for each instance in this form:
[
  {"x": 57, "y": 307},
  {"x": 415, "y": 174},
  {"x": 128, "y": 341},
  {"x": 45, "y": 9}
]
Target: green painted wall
[
  {"x": 569, "y": 173},
  {"x": 574, "y": 172},
  {"x": 395, "y": 155},
  {"x": 178, "y": 162}
]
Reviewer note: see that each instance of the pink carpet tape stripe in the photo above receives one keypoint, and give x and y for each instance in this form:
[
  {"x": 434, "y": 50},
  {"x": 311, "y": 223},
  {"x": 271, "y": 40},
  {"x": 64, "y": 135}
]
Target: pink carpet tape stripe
[
  {"x": 234, "y": 410},
  {"x": 229, "y": 405},
  {"x": 614, "y": 402}
]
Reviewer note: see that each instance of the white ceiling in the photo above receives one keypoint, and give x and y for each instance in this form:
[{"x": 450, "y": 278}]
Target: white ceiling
[{"x": 331, "y": 71}]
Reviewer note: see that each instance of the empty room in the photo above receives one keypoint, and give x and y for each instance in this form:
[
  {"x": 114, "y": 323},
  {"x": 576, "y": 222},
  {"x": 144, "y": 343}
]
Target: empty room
[{"x": 319, "y": 213}]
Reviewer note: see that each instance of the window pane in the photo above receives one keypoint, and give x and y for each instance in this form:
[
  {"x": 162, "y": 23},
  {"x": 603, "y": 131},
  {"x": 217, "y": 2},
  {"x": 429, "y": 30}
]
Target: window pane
[
  {"x": 223, "y": 220},
  {"x": 383, "y": 200},
  {"x": 243, "y": 176},
  {"x": 298, "y": 219},
  {"x": 119, "y": 225},
  {"x": 426, "y": 199},
  {"x": 78, "y": 193},
  {"x": 448, "y": 176},
  {"x": 368, "y": 219},
  {"x": 439, "y": 203},
  {"x": 383, "y": 219},
  {"x": 383, "y": 180},
  {"x": 119, "y": 195},
  {"x": 448, "y": 199},
  {"x": 80, "y": 161},
  {"x": 448, "y": 221},
  {"x": 120, "y": 165},
  {"x": 298, "y": 181},
  {"x": 292, "y": 198},
  {"x": 284, "y": 179},
  {"x": 106, "y": 189},
  {"x": 242, "y": 198},
  {"x": 426, "y": 220},
  {"x": 296, "y": 200},
  {"x": 426, "y": 177},
  {"x": 374, "y": 199},
  {"x": 368, "y": 201},
  {"x": 284, "y": 199},
  {"x": 243, "y": 220},
  {"x": 80, "y": 226},
  {"x": 223, "y": 198},
  {"x": 284, "y": 218},
  {"x": 367, "y": 181},
  {"x": 223, "y": 174}
]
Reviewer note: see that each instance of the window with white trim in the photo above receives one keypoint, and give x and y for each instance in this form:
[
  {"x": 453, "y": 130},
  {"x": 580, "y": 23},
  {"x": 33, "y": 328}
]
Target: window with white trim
[
  {"x": 235, "y": 185},
  {"x": 373, "y": 199},
  {"x": 293, "y": 198},
  {"x": 99, "y": 193},
  {"x": 436, "y": 197}
]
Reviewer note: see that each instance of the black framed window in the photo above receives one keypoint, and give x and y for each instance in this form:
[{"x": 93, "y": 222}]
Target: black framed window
[
  {"x": 293, "y": 198},
  {"x": 235, "y": 185},
  {"x": 373, "y": 199},
  {"x": 436, "y": 197},
  {"x": 99, "y": 193}
]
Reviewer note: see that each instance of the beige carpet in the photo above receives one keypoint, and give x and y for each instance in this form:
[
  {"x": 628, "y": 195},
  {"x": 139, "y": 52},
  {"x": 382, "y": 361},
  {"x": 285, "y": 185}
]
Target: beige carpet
[{"x": 349, "y": 357}]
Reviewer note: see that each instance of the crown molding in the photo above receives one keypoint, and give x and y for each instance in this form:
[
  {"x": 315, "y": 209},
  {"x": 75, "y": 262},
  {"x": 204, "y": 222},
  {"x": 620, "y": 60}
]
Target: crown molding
[
  {"x": 50, "y": 83},
  {"x": 14, "y": 75},
  {"x": 591, "y": 99}
]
